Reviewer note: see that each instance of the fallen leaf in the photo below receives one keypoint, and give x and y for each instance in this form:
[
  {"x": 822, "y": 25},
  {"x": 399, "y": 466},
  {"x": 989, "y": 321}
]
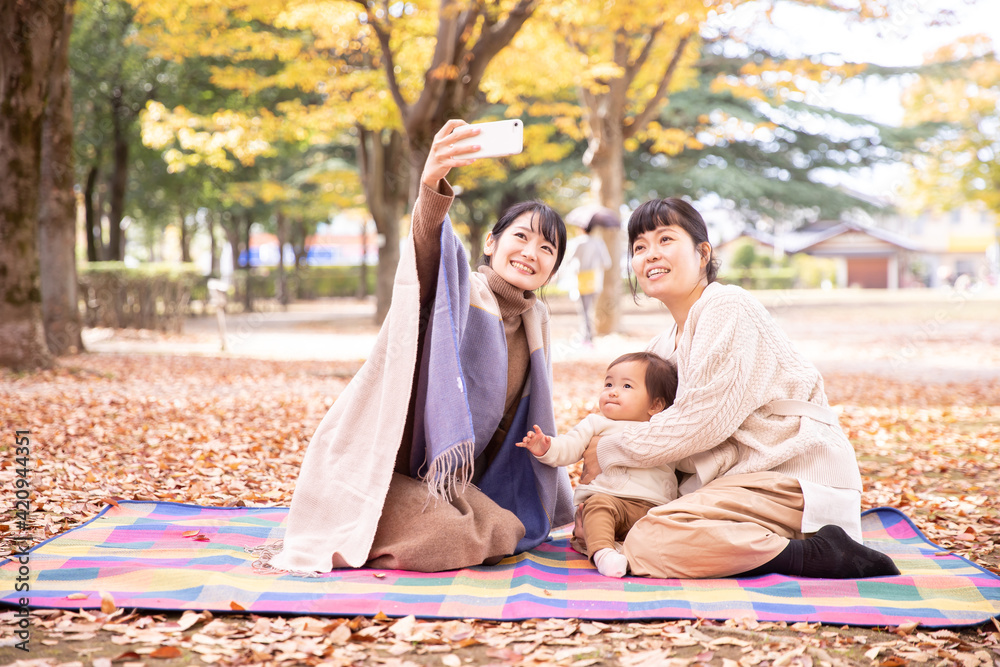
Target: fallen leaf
[
  {"x": 126, "y": 656},
  {"x": 190, "y": 533},
  {"x": 340, "y": 635},
  {"x": 967, "y": 535},
  {"x": 731, "y": 641},
  {"x": 236, "y": 606},
  {"x": 893, "y": 661},
  {"x": 403, "y": 628},
  {"x": 77, "y": 596},
  {"x": 166, "y": 652},
  {"x": 188, "y": 619},
  {"x": 107, "y": 602},
  {"x": 804, "y": 627}
]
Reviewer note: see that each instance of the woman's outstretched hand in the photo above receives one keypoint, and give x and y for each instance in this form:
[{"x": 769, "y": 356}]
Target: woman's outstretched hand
[
  {"x": 591, "y": 468},
  {"x": 444, "y": 154}
]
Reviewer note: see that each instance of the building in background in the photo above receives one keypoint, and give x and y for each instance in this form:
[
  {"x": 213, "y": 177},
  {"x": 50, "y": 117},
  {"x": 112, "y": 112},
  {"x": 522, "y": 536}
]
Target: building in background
[
  {"x": 345, "y": 241},
  {"x": 890, "y": 251}
]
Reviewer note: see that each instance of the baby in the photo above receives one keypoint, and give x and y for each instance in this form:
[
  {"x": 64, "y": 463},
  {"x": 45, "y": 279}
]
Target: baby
[{"x": 637, "y": 386}]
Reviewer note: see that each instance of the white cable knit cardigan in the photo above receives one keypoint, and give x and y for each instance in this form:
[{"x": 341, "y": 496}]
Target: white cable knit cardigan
[{"x": 732, "y": 361}]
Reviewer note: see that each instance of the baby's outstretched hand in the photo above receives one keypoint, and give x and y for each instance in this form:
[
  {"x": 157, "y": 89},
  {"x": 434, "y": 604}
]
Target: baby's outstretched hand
[{"x": 536, "y": 442}]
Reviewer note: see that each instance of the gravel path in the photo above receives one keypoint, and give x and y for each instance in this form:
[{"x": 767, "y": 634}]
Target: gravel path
[{"x": 913, "y": 335}]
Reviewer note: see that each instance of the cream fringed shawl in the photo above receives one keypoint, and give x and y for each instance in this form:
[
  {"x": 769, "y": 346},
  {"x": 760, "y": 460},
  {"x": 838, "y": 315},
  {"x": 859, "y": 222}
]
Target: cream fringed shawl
[{"x": 345, "y": 474}]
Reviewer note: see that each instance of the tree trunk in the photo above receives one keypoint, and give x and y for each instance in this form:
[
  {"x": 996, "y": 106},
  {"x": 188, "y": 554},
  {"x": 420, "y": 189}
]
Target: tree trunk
[
  {"x": 119, "y": 181},
  {"x": 245, "y": 243},
  {"x": 245, "y": 240},
  {"x": 152, "y": 241},
  {"x": 57, "y": 209},
  {"x": 185, "y": 237},
  {"x": 299, "y": 242},
  {"x": 107, "y": 254},
  {"x": 282, "y": 285},
  {"x": 27, "y": 32},
  {"x": 363, "y": 269},
  {"x": 95, "y": 240},
  {"x": 384, "y": 177},
  {"x": 606, "y": 158},
  {"x": 418, "y": 156},
  {"x": 214, "y": 244},
  {"x": 231, "y": 226}
]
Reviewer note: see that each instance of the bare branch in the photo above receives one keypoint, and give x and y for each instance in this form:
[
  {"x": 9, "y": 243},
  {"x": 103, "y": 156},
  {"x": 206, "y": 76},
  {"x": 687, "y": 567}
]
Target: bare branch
[
  {"x": 455, "y": 91},
  {"x": 653, "y": 106},
  {"x": 444, "y": 53},
  {"x": 493, "y": 40},
  {"x": 368, "y": 181},
  {"x": 632, "y": 68},
  {"x": 389, "y": 64}
]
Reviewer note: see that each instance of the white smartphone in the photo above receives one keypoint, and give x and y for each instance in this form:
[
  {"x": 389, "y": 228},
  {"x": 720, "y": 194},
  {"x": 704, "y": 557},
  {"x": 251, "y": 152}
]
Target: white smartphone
[{"x": 496, "y": 139}]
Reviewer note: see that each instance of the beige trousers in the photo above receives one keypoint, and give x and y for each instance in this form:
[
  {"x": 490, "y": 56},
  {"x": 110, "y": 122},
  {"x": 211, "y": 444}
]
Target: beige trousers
[
  {"x": 603, "y": 520},
  {"x": 730, "y": 525}
]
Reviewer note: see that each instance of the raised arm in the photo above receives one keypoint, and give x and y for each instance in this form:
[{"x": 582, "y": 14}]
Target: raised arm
[
  {"x": 726, "y": 350},
  {"x": 435, "y": 199},
  {"x": 568, "y": 448}
]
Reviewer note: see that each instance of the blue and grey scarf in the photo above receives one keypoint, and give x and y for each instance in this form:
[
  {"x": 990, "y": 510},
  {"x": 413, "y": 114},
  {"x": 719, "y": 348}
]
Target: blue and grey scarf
[{"x": 461, "y": 389}]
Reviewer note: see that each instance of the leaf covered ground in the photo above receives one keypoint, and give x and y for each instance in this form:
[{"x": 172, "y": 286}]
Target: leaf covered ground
[{"x": 224, "y": 431}]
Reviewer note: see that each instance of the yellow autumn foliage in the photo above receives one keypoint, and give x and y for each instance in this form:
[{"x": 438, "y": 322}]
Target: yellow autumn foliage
[{"x": 962, "y": 163}]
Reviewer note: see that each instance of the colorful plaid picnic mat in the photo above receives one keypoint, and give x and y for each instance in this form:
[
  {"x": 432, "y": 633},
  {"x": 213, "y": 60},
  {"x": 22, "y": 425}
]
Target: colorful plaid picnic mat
[{"x": 138, "y": 552}]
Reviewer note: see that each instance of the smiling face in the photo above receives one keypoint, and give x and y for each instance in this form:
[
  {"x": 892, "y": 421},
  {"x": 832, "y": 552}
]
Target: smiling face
[
  {"x": 522, "y": 255},
  {"x": 668, "y": 265},
  {"x": 625, "y": 397}
]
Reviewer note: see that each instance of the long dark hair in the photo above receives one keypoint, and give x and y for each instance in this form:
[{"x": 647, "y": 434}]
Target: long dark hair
[
  {"x": 550, "y": 224},
  {"x": 664, "y": 213}
]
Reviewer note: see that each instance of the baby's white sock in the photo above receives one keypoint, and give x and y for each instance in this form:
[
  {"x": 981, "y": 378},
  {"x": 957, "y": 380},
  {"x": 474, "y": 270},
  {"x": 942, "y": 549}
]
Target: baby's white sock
[{"x": 610, "y": 563}]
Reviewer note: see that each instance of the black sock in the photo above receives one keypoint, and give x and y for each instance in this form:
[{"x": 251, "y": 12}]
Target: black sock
[
  {"x": 789, "y": 561},
  {"x": 829, "y": 554}
]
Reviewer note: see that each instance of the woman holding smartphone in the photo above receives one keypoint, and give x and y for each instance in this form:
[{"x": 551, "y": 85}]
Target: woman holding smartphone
[{"x": 416, "y": 467}]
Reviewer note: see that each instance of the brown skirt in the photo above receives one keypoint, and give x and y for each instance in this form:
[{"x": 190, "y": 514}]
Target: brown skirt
[{"x": 419, "y": 534}]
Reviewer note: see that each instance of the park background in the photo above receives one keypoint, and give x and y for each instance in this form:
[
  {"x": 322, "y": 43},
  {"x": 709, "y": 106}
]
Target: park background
[{"x": 844, "y": 153}]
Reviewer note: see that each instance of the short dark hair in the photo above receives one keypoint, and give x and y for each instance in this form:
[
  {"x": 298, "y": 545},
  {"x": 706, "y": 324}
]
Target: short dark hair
[
  {"x": 664, "y": 213},
  {"x": 550, "y": 224},
  {"x": 661, "y": 375}
]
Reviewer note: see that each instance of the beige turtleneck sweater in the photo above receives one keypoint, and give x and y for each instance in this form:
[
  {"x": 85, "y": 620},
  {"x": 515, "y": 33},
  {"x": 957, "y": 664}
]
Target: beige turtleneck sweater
[{"x": 425, "y": 226}]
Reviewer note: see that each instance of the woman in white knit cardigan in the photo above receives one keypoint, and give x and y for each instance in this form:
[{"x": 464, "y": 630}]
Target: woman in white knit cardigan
[{"x": 777, "y": 487}]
